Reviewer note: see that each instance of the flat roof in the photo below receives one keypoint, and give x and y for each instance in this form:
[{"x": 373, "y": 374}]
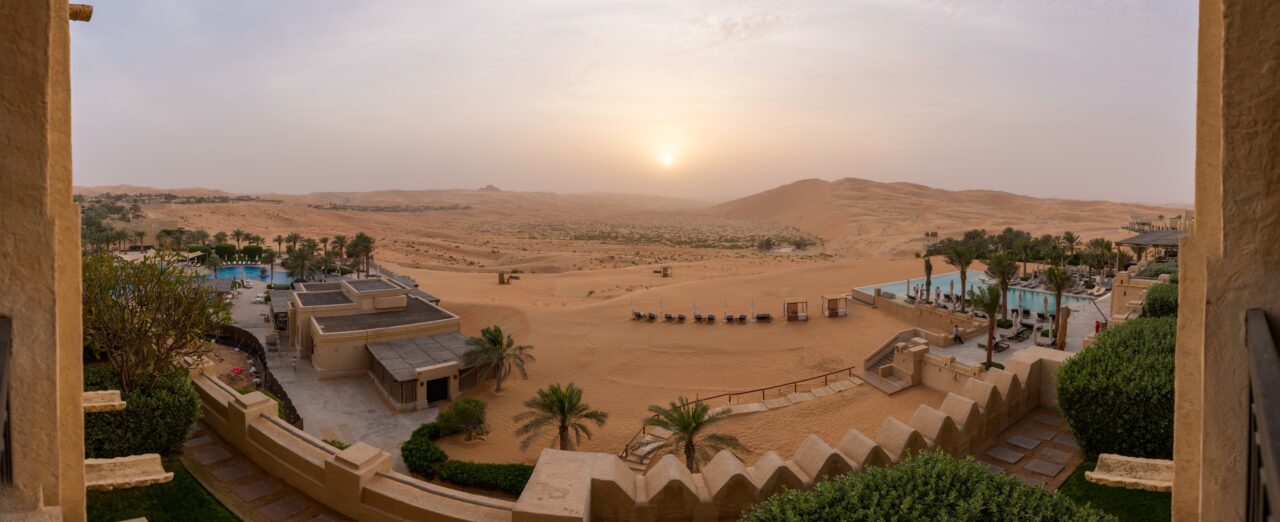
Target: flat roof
[
  {"x": 403, "y": 357},
  {"x": 217, "y": 285},
  {"x": 368, "y": 285},
  {"x": 332, "y": 297},
  {"x": 415, "y": 311},
  {"x": 280, "y": 300},
  {"x": 320, "y": 287},
  {"x": 1160, "y": 238}
]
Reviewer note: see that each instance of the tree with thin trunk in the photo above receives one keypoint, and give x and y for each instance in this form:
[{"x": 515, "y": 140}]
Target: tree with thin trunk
[
  {"x": 293, "y": 238},
  {"x": 1071, "y": 241},
  {"x": 494, "y": 353},
  {"x": 689, "y": 423},
  {"x": 561, "y": 408},
  {"x": 987, "y": 301},
  {"x": 279, "y": 239},
  {"x": 1024, "y": 249},
  {"x": 961, "y": 257},
  {"x": 269, "y": 257},
  {"x": 220, "y": 238},
  {"x": 1002, "y": 269},
  {"x": 928, "y": 277},
  {"x": 140, "y": 235},
  {"x": 1059, "y": 281},
  {"x": 238, "y": 235},
  {"x": 1138, "y": 252}
]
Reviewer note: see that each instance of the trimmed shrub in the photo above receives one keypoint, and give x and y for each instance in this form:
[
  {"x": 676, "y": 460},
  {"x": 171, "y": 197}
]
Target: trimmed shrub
[
  {"x": 464, "y": 416},
  {"x": 420, "y": 455},
  {"x": 225, "y": 250},
  {"x": 199, "y": 248},
  {"x": 1118, "y": 394},
  {"x": 1004, "y": 323},
  {"x": 1161, "y": 301},
  {"x": 1159, "y": 269},
  {"x": 154, "y": 421},
  {"x": 507, "y": 478},
  {"x": 930, "y": 486},
  {"x": 252, "y": 251}
]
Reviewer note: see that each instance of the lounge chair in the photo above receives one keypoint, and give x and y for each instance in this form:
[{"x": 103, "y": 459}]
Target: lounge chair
[
  {"x": 742, "y": 318},
  {"x": 1040, "y": 317},
  {"x": 697, "y": 318},
  {"x": 980, "y": 315},
  {"x": 653, "y": 316},
  {"x": 637, "y": 315},
  {"x": 680, "y": 318},
  {"x": 764, "y": 317},
  {"x": 1001, "y": 346},
  {"x": 668, "y": 317},
  {"x": 711, "y": 318}
]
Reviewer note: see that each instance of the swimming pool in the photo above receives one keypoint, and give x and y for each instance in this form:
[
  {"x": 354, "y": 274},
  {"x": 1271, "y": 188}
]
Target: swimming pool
[
  {"x": 252, "y": 273},
  {"x": 1035, "y": 300}
]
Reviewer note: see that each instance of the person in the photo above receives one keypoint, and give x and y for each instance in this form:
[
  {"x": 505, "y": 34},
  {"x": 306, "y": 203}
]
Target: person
[
  {"x": 955, "y": 334},
  {"x": 295, "y": 362}
]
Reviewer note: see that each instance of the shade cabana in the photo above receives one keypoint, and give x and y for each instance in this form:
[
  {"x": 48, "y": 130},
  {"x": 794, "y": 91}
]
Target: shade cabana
[
  {"x": 835, "y": 305},
  {"x": 1166, "y": 240},
  {"x": 795, "y": 309}
]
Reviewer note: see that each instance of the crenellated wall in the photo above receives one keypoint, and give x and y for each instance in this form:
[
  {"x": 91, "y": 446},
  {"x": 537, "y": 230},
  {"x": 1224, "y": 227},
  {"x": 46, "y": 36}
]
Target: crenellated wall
[{"x": 595, "y": 486}]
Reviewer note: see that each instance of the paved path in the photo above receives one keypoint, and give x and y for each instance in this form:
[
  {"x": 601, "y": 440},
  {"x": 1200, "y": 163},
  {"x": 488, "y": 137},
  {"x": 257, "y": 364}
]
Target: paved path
[
  {"x": 246, "y": 489},
  {"x": 1038, "y": 450}
]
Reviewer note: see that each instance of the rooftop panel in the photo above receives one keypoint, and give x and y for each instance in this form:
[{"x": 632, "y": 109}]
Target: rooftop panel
[
  {"x": 414, "y": 312},
  {"x": 320, "y": 287},
  {"x": 368, "y": 285},
  {"x": 323, "y": 298}
]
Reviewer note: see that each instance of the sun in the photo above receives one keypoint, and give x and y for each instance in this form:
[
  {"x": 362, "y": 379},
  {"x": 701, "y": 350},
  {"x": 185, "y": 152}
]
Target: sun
[{"x": 666, "y": 159}]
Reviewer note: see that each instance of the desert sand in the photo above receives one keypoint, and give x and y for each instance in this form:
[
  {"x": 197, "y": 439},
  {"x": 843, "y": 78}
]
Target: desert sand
[{"x": 587, "y": 258}]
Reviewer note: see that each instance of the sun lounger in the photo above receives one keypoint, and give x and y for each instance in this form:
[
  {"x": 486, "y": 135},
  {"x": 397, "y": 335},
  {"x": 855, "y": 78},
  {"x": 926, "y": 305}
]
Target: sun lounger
[
  {"x": 637, "y": 315},
  {"x": 728, "y": 318},
  {"x": 1001, "y": 346},
  {"x": 711, "y": 318},
  {"x": 980, "y": 315},
  {"x": 697, "y": 318},
  {"x": 742, "y": 318},
  {"x": 653, "y": 316},
  {"x": 1040, "y": 317},
  {"x": 764, "y": 317},
  {"x": 668, "y": 317},
  {"x": 680, "y": 318}
]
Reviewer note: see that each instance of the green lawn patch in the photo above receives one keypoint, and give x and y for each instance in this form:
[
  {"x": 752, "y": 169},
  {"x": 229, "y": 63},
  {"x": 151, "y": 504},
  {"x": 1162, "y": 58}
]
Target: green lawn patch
[
  {"x": 1126, "y": 504},
  {"x": 180, "y": 499}
]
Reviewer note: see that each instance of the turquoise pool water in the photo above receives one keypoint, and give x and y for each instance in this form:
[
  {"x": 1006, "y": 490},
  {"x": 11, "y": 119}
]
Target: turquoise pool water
[
  {"x": 252, "y": 273},
  {"x": 1018, "y": 297}
]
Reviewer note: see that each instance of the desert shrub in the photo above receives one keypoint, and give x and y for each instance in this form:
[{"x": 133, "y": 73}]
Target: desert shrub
[
  {"x": 930, "y": 486},
  {"x": 225, "y": 250},
  {"x": 1118, "y": 394},
  {"x": 465, "y": 416},
  {"x": 420, "y": 455},
  {"x": 252, "y": 251},
  {"x": 155, "y": 420},
  {"x": 1161, "y": 301},
  {"x": 508, "y": 478},
  {"x": 1159, "y": 269}
]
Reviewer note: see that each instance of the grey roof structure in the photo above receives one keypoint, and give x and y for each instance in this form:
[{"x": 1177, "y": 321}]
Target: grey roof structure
[
  {"x": 218, "y": 285},
  {"x": 320, "y": 287},
  {"x": 280, "y": 300},
  {"x": 415, "y": 311},
  {"x": 331, "y": 297},
  {"x": 1156, "y": 238},
  {"x": 368, "y": 285},
  {"x": 403, "y": 357}
]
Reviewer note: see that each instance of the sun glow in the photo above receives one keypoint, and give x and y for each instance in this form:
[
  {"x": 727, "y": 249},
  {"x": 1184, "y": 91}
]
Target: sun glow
[{"x": 666, "y": 159}]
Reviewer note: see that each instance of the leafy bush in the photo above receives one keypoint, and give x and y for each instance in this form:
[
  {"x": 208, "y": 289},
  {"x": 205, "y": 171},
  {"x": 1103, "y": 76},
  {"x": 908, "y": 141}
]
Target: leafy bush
[
  {"x": 420, "y": 455},
  {"x": 1088, "y": 285},
  {"x": 155, "y": 420},
  {"x": 1118, "y": 394},
  {"x": 252, "y": 251},
  {"x": 1161, "y": 301},
  {"x": 465, "y": 416},
  {"x": 930, "y": 486},
  {"x": 225, "y": 250},
  {"x": 199, "y": 248},
  {"x": 1159, "y": 269},
  {"x": 1004, "y": 323},
  {"x": 508, "y": 478},
  {"x": 337, "y": 443}
]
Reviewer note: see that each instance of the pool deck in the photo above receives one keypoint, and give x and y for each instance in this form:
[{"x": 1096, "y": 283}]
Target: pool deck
[{"x": 1079, "y": 326}]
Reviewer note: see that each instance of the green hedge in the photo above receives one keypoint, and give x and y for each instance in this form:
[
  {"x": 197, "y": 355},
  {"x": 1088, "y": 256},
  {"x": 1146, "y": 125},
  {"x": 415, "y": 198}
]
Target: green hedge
[
  {"x": 1161, "y": 300},
  {"x": 420, "y": 455},
  {"x": 225, "y": 250},
  {"x": 1159, "y": 269},
  {"x": 155, "y": 421},
  {"x": 930, "y": 486},
  {"x": 508, "y": 478},
  {"x": 1118, "y": 394}
]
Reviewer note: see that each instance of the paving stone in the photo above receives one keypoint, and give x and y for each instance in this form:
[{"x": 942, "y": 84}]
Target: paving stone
[
  {"x": 256, "y": 490},
  {"x": 196, "y": 442},
  {"x": 1053, "y": 455},
  {"x": 777, "y": 403},
  {"x": 841, "y": 385},
  {"x": 1051, "y": 420},
  {"x": 800, "y": 397},
  {"x": 284, "y": 508},
  {"x": 209, "y": 455},
  {"x": 1030, "y": 481},
  {"x": 1048, "y": 469},
  {"x": 857, "y": 381},
  {"x": 234, "y": 472},
  {"x": 822, "y": 391},
  {"x": 1004, "y": 454},
  {"x": 991, "y": 468},
  {"x": 1023, "y": 442},
  {"x": 1036, "y": 432},
  {"x": 1066, "y": 439},
  {"x": 755, "y": 407}
]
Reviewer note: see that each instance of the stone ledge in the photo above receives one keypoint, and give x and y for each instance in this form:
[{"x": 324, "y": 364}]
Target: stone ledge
[
  {"x": 1132, "y": 473},
  {"x": 99, "y": 401}
]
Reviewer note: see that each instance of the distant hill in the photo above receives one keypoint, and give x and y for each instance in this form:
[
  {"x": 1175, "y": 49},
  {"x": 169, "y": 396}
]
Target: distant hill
[{"x": 869, "y": 218}]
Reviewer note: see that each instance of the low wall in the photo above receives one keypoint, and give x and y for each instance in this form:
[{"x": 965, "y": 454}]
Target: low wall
[
  {"x": 237, "y": 337},
  {"x": 357, "y": 482},
  {"x": 938, "y": 321},
  {"x": 595, "y": 486}
]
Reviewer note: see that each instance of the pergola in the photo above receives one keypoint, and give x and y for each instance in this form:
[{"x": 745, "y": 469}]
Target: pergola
[
  {"x": 1166, "y": 240},
  {"x": 795, "y": 309},
  {"x": 835, "y": 305}
]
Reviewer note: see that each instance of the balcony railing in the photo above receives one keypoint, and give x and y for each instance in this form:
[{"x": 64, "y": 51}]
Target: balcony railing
[{"x": 1264, "y": 419}]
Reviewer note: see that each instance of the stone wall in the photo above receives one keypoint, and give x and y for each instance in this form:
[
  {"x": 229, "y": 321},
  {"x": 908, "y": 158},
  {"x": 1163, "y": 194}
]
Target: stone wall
[
  {"x": 580, "y": 486},
  {"x": 357, "y": 481}
]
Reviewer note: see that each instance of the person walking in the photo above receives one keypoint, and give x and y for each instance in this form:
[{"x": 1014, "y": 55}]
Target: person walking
[{"x": 955, "y": 334}]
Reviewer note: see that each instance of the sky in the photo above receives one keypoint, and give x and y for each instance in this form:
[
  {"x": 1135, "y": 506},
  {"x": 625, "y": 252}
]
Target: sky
[{"x": 703, "y": 99}]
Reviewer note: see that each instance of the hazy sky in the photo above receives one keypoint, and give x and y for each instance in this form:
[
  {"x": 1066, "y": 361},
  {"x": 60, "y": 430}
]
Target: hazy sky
[{"x": 1070, "y": 98}]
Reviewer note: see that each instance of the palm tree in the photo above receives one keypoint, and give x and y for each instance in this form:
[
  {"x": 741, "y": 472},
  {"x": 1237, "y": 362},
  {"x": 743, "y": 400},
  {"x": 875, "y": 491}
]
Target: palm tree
[
  {"x": 928, "y": 277},
  {"x": 688, "y": 423},
  {"x": 237, "y": 235},
  {"x": 324, "y": 241},
  {"x": 1059, "y": 281},
  {"x": 961, "y": 257},
  {"x": 220, "y": 238},
  {"x": 339, "y": 243},
  {"x": 496, "y": 354},
  {"x": 562, "y": 408},
  {"x": 1002, "y": 269},
  {"x": 269, "y": 257},
  {"x": 1071, "y": 241},
  {"x": 279, "y": 239},
  {"x": 141, "y": 236},
  {"x": 1138, "y": 251},
  {"x": 987, "y": 301},
  {"x": 213, "y": 262},
  {"x": 293, "y": 238},
  {"x": 1024, "y": 248},
  {"x": 361, "y": 247}
]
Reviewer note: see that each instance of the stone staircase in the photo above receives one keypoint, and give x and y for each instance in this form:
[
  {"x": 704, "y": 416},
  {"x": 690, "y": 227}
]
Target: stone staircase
[
  {"x": 890, "y": 385},
  {"x": 640, "y": 455}
]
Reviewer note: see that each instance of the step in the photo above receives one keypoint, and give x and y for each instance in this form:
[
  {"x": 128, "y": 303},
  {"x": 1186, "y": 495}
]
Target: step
[
  {"x": 125, "y": 472},
  {"x": 98, "y": 401}
]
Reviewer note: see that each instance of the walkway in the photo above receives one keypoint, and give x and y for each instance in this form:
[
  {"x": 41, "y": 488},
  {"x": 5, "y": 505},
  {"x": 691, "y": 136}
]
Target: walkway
[
  {"x": 243, "y": 487},
  {"x": 1079, "y": 325},
  {"x": 1039, "y": 450}
]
